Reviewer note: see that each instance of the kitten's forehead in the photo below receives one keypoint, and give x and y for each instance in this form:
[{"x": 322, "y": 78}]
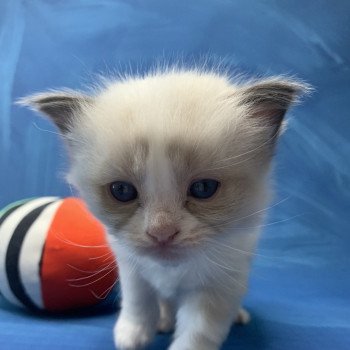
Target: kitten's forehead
[
  {"x": 132, "y": 158},
  {"x": 160, "y": 182},
  {"x": 178, "y": 157},
  {"x": 172, "y": 125},
  {"x": 165, "y": 103}
]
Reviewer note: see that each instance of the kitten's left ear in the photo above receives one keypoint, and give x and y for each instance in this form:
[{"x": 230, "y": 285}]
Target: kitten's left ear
[
  {"x": 268, "y": 100},
  {"x": 62, "y": 107}
]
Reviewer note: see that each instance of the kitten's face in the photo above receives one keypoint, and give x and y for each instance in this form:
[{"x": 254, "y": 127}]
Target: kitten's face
[{"x": 170, "y": 161}]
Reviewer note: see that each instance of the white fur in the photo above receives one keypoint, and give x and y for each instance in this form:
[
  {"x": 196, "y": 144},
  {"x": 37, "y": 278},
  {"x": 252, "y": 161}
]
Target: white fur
[
  {"x": 196, "y": 286},
  {"x": 202, "y": 288}
]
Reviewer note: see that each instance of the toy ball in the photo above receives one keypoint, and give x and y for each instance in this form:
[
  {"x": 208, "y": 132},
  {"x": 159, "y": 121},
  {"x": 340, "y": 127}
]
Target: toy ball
[{"x": 54, "y": 255}]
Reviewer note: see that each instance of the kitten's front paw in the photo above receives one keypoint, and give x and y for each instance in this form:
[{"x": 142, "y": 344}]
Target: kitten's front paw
[{"x": 131, "y": 336}]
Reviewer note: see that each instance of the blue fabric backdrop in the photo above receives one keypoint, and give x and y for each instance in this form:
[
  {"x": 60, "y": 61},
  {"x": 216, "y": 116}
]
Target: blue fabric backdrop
[{"x": 300, "y": 287}]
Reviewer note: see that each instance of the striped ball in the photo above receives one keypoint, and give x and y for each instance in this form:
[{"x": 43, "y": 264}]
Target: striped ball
[{"x": 54, "y": 255}]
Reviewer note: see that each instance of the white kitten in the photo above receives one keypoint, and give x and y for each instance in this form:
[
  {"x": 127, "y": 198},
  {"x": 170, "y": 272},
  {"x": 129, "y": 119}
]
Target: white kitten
[{"x": 175, "y": 164}]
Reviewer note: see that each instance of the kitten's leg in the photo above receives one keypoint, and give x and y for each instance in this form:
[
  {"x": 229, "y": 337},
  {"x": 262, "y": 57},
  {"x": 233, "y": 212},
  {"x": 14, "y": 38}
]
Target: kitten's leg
[
  {"x": 167, "y": 316},
  {"x": 137, "y": 322},
  {"x": 203, "y": 321}
]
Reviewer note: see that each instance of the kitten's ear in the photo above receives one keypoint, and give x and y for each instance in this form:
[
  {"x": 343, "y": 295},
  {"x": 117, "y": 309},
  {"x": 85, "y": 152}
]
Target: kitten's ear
[
  {"x": 62, "y": 107},
  {"x": 268, "y": 100}
]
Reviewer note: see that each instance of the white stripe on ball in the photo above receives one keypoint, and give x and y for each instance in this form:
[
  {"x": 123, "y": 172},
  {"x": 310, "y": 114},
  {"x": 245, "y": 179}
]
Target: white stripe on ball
[
  {"x": 6, "y": 231},
  {"x": 31, "y": 253}
]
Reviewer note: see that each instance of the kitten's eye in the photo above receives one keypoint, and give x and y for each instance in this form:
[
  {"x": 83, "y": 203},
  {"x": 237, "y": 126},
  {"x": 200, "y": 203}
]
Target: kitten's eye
[
  {"x": 203, "y": 189},
  {"x": 123, "y": 191}
]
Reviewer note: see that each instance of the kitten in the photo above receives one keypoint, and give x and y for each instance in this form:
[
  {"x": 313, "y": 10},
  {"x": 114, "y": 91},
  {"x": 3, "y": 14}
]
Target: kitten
[{"x": 176, "y": 165}]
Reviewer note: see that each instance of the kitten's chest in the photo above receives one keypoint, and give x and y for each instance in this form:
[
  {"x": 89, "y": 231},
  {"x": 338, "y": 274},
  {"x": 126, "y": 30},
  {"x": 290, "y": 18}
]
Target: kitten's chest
[{"x": 170, "y": 281}]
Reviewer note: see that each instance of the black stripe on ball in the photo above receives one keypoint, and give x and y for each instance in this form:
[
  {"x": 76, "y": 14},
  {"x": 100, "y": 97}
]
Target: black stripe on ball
[{"x": 13, "y": 255}]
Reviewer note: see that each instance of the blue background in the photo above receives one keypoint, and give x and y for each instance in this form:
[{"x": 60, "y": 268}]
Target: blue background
[{"x": 300, "y": 286}]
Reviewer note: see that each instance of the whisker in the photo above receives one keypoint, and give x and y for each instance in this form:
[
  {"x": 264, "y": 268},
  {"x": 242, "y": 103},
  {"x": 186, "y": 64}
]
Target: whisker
[
  {"x": 220, "y": 265},
  {"x": 234, "y": 280},
  {"x": 227, "y": 222},
  {"x": 219, "y": 281},
  {"x": 104, "y": 295},
  {"x": 101, "y": 256},
  {"x": 65, "y": 240},
  {"x": 83, "y": 271},
  {"x": 226, "y": 267},
  {"x": 98, "y": 279},
  {"x": 253, "y": 213},
  {"x": 273, "y": 222},
  {"x": 109, "y": 266},
  {"x": 262, "y": 210},
  {"x": 223, "y": 271},
  {"x": 109, "y": 257},
  {"x": 221, "y": 245}
]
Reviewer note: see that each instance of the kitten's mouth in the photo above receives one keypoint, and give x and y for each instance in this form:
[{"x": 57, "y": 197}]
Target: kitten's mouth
[{"x": 164, "y": 252}]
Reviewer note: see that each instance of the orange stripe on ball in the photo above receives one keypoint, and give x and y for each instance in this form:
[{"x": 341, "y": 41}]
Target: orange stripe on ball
[{"x": 77, "y": 264}]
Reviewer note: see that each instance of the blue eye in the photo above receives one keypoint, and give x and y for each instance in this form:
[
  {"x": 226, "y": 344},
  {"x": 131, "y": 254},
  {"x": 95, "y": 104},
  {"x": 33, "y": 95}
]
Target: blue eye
[
  {"x": 203, "y": 189},
  {"x": 123, "y": 191}
]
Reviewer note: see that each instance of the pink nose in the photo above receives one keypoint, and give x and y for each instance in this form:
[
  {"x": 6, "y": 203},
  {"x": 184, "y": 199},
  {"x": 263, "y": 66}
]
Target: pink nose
[{"x": 163, "y": 234}]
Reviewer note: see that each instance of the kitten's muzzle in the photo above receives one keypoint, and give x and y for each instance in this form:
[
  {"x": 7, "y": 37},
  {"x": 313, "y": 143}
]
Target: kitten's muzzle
[{"x": 163, "y": 235}]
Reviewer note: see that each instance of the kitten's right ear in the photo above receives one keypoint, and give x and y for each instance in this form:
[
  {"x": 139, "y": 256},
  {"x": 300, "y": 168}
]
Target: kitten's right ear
[{"x": 62, "y": 107}]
